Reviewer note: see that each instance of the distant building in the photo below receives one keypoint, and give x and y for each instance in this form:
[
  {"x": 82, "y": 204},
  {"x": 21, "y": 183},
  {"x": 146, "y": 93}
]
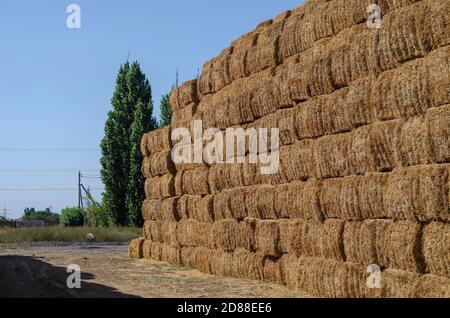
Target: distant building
[{"x": 22, "y": 224}]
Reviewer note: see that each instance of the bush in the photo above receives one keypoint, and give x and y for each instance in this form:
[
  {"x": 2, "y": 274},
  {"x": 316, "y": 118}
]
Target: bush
[{"x": 72, "y": 217}]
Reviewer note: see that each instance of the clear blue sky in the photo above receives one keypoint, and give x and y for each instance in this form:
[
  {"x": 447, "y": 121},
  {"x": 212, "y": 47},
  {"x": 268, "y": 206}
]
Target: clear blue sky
[{"x": 56, "y": 84}]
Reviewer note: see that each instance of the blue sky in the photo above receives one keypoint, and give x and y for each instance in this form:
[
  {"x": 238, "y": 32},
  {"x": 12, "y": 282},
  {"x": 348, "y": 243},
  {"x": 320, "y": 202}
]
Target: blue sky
[{"x": 56, "y": 83}]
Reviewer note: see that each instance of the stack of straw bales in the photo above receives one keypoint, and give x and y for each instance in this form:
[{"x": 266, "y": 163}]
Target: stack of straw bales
[{"x": 364, "y": 178}]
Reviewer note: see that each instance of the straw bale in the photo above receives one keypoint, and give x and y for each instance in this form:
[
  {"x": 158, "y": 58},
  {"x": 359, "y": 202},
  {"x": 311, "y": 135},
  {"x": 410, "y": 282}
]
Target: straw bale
[
  {"x": 297, "y": 161},
  {"x": 153, "y": 231},
  {"x": 375, "y": 147},
  {"x": 195, "y": 182},
  {"x": 156, "y": 251},
  {"x": 392, "y": 5},
  {"x": 221, "y": 206},
  {"x": 205, "y": 84},
  {"x": 259, "y": 202},
  {"x": 168, "y": 209},
  {"x": 414, "y": 147},
  {"x": 222, "y": 263},
  {"x": 188, "y": 256},
  {"x": 438, "y": 120},
  {"x": 220, "y": 73},
  {"x": 357, "y": 197},
  {"x": 156, "y": 141},
  {"x": 166, "y": 186},
  {"x": 434, "y": 22},
  {"x": 288, "y": 264},
  {"x": 436, "y": 248},
  {"x": 285, "y": 123},
  {"x": 399, "y": 39},
  {"x": 358, "y": 104},
  {"x": 226, "y": 234},
  {"x": 304, "y": 198},
  {"x": 173, "y": 99},
  {"x": 272, "y": 271},
  {"x": 251, "y": 174},
  {"x": 399, "y": 284},
  {"x": 160, "y": 163},
  {"x": 187, "y": 93},
  {"x": 265, "y": 53},
  {"x": 334, "y": 116},
  {"x": 202, "y": 209},
  {"x": 268, "y": 237},
  {"x": 351, "y": 55},
  {"x": 238, "y": 60},
  {"x": 250, "y": 265},
  {"x": 432, "y": 286},
  {"x": 281, "y": 200},
  {"x": 183, "y": 207},
  {"x": 147, "y": 249},
  {"x": 171, "y": 255},
  {"x": 186, "y": 233},
  {"x": 329, "y": 278},
  {"x": 332, "y": 154},
  {"x": 203, "y": 259},
  {"x": 308, "y": 118},
  {"x": 418, "y": 193},
  {"x": 169, "y": 233},
  {"x": 246, "y": 234},
  {"x": 183, "y": 118},
  {"x": 135, "y": 249}
]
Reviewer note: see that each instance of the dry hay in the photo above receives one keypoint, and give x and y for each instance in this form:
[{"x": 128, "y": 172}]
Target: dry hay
[
  {"x": 398, "y": 284},
  {"x": 267, "y": 236},
  {"x": 272, "y": 271},
  {"x": 415, "y": 30},
  {"x": 160, "y": 210},
  {"x": 178, "y": 183},
  {"x": 386, "y": 243},
  {"x": 147, "y": 249},
  {"x": 352, "y": 55},
  {"x": 286, "y": 125},
  {"x": 202, "y": 209},
  {"x": 183, "y": 118},
  {"x": 186, "y": 233},
  {"x": 329, "y": 278},
  {"x": 413, "y": 87},
  {"x": 153, "y": 231},
  {"x": 158, "y": 164},
  {"x": 313, "y": 239},
  {"x": 413, "y": 145},
  {"x": 225, "y": 176},
  {"x": 135, "y": 249},
  {"x": 220, "y": 73},
  {"x": 231, "y": 204},
  {"x": 296, "y": 161},
  {"x": 304, "y": 200},
  {"x": 221, "y": 263},
  {"x": 281, "y": 200},
  {"x": 374, "y": 147},
  {"x": 238, "y": 64},
  {"x": 288, "y": 264},
  {"x": 156, "y": 251},
  {"x": 259, "y": 202},
  {"x": 171, "y": 255},
  {"x": 169, "y": 233},
  {"x": 187, "y": 94},
  {"x": 436, "y": 244},
  {"x": 225, "y": 234},
  {"x": 204, "y": 83},
  {"x": 265, "y": 53},
  {"x": 355, "y": 198},
  {"x": 418, "y": 193},
  {"x": 156, "y": 141},
  {"x": 246, "y": 234},
  {"x": 160, "y": 187},
  {"x": 248, "y": 265},
  {"x": 438, "y": 120},
  {"x": 331, "y": 156},
  {"x": 195, "y": 182},
  {"x": 431, "y": 286}
]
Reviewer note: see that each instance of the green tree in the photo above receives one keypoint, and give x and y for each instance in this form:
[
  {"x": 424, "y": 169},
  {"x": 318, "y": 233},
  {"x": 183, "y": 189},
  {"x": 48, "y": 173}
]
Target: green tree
[
  {"x": 132, "y": 89},
  {"x": 166, "y": 111},
  {"x": 72, "y": 217}
]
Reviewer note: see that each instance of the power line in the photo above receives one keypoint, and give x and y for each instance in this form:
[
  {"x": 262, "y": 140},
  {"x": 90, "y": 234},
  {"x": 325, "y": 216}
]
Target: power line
[
  {"x": 44, "y": 189},
  {"x": 49, "y": 149},
  {"x": 47, "y": 170}
]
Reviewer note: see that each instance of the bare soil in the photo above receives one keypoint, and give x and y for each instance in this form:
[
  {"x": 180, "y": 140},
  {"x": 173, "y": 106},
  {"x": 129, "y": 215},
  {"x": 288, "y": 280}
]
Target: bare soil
[{"x": 39, "y": 270}]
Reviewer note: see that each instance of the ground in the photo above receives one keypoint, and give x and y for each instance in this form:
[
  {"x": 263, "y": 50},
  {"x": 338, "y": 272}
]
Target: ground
[{"x": 39, "y": 270}]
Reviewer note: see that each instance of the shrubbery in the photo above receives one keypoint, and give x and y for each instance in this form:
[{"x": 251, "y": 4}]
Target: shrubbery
[{"x": 72, "y": 217}]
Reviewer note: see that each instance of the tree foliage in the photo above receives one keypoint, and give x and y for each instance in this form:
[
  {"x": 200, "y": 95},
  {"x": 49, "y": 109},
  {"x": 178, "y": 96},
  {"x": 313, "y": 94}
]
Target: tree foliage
[
  {"x": 30, "y": 214},
  {"x": 166, "y": 111},
  {"x": 72, "y": 217},
  {"x": 121, "y": 159}
]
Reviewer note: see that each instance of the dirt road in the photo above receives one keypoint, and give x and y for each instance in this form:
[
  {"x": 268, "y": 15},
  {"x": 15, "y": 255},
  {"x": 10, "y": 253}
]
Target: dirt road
[{"x": 39, "y": 270}]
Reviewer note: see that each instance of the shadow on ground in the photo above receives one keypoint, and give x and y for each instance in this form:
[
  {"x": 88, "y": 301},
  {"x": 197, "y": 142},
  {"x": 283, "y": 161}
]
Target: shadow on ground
[{"x": 31, "y": 277}]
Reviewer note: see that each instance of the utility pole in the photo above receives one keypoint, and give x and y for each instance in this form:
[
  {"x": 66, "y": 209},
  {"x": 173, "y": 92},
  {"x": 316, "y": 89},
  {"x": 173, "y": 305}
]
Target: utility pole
[{"x": 79, "y": 189}]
